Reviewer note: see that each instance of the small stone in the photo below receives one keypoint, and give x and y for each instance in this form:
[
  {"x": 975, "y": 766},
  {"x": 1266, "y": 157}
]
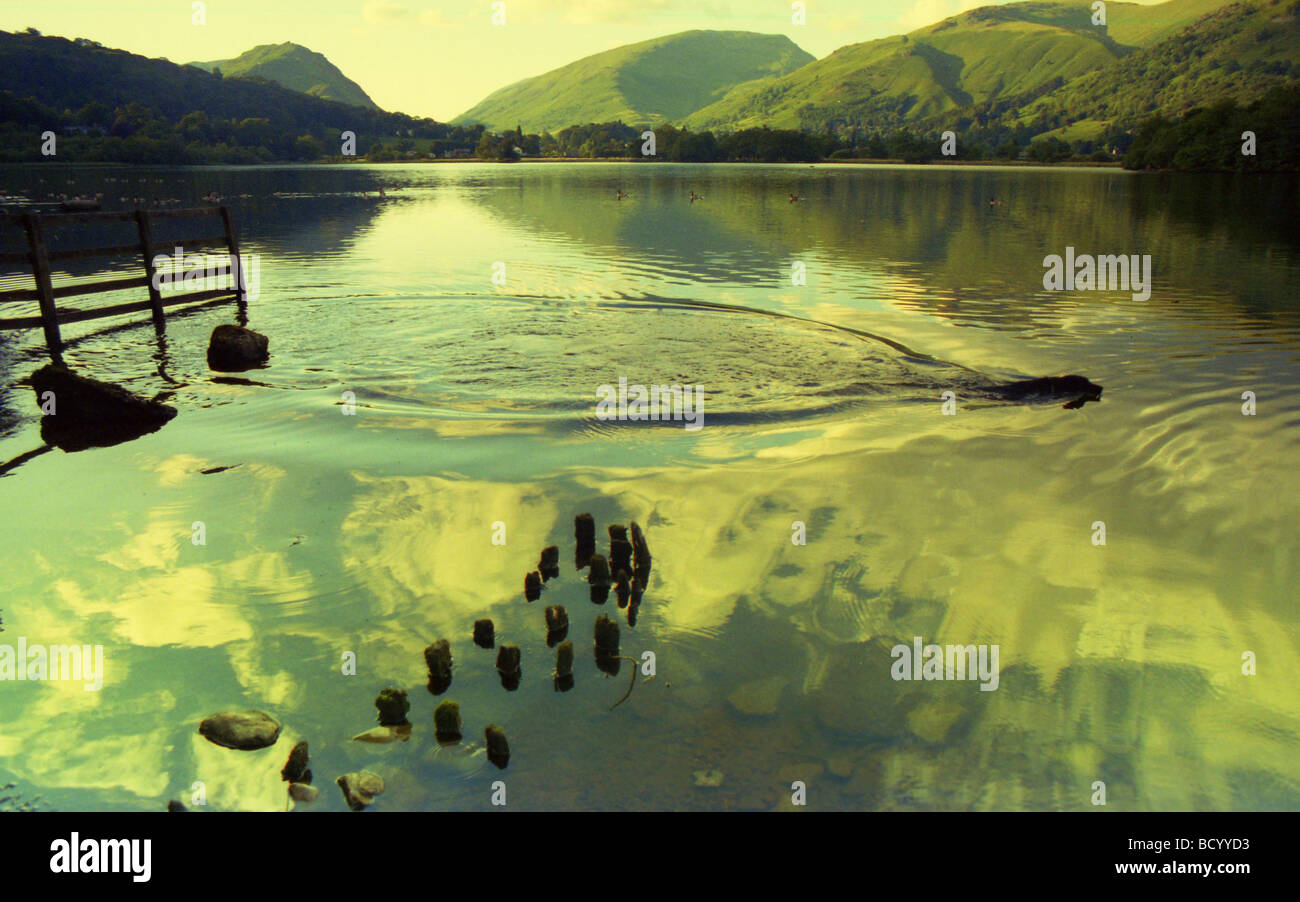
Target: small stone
[
  {"x": 599, "y": 573},
  {"x": 296, "y": 767},
  {"x": 607, "y": 657},
  {"x": 533, "y": 586},
  {"x": 508, "y": 666},
  {"x": 759, "y": 698},
  {"x": 598, "y": 578},
  {"x": 498, "y": 750},
  {"x": 382, "y": 735},
  {"x": 707, "y": 779},
  {"x": 840, "y": 766},
  {"x": 484, "y": 634},
  {"x": 393, "y": 705},
  {"x": 233, "y": 349},
  {"x": 564, "y": 659},
  {"x": 360, "y": 788},
  {"x": 640, "y": 557},
  {"x": 447, "y": 723},
  {"x": 584, "y": 533},
  {"x": 437, "y": 657},
  {"x": 620, "y": 555},
  {"x": 549, "y": 565},
  {"x": 563, "y": 676},
  {"x": 302, "y": 792},
  {"x": 557, "y": 623},
  {"x": 243, "y": 730}
]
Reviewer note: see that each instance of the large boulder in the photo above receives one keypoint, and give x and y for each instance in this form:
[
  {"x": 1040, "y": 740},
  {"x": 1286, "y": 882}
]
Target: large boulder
[
  {"x": 233, "y": 349},
  {"x": 244, "y": 730},
  {"x": 80, "y": 413}
]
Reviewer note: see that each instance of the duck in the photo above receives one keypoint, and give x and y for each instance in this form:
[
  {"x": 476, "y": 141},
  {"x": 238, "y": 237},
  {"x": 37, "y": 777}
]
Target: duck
[
  {"x": 621, "y": 194},
  {"x": 695, "y": 197},
  {"x": 794, "y": 197}
]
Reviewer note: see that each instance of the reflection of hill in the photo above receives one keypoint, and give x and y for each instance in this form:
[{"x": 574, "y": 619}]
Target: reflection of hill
[{"x": 938, "y": 221}]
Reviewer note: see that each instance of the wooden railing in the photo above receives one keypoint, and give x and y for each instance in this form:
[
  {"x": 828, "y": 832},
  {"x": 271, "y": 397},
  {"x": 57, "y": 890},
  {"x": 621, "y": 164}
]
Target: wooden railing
[{"x": 45, "y": 293}]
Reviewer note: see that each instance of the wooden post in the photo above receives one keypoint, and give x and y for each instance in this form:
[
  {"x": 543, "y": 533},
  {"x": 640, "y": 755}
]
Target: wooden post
[
  {"x": 236, "y": 268},
  {"x": 146, "y": 248},
  {"x": 44, "y": 289}
]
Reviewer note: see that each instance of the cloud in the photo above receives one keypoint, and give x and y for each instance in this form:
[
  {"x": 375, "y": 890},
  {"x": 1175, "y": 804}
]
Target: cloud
[{"x": 384, "y": 12}]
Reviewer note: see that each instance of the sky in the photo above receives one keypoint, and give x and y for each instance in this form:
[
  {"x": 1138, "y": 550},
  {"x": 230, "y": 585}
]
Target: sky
[{"x": 438, "y": 58}]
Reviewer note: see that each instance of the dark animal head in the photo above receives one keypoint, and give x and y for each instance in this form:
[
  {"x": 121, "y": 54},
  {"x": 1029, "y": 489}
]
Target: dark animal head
[{"x": 1082, "y": 389}]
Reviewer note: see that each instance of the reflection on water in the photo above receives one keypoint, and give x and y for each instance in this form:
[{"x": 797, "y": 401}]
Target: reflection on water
[{"x": 372, "y": 533}]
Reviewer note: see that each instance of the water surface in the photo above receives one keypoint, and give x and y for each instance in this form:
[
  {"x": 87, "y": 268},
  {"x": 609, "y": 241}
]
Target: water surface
[{"x": 372, "y": 534}]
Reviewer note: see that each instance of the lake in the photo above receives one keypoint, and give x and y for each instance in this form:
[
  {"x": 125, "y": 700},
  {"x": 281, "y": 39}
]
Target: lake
[{"x": 829, "y": 508}]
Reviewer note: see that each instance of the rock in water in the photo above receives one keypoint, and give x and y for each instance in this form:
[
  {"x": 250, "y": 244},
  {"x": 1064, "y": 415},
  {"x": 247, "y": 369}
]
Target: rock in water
[
  {"x": 584, "y": 532},
  {"x": 360, "y": 788},
  {"x": 438, "y": 659},
  {"x": 623, "y": 588},
  {"x": 447, "y": 723},
  {"x": 243, "y": 730},
  {"x": 598, "y": 578},
  {"x": 303, "y": 792},
  {"x": 564, "y": 667},
  {"x": 533, "y": 586},
  {"x": 233, "y": 349},
  {"x": 175, "y": 805},
  {"x": 549, "y": 565},
  {"x": 81, "y": 413},
  {"x": 393, "y": 705},
  {"x": 383, "y": 735},
  {"x": 484, "y": 634},
  {"x": 640, "y": 557},
  {"x": 607, "y": 645},
  {"x": 620, "y": 550},
  {"x": 557, "y": 624},
  {"x": 508, "y": 666},
  {"x": 295, "y": 769},
  {"x": 760, "y": 698},
  {"x": 498, "y": 750}
]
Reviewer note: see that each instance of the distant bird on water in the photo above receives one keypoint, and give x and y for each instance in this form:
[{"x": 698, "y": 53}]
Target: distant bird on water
[
  {"x": 695, "y": 197},
  {"x": 794, "y": 197},
  {"x": 621, "y": 194}
]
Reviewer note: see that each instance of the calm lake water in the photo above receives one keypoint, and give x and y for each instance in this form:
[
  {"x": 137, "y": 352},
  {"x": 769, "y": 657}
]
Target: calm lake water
[{"x": 372, "y": 534}]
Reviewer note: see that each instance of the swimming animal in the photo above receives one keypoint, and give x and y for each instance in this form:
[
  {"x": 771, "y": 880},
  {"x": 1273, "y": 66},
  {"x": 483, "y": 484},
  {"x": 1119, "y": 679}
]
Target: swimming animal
[{"x": 1076, "y": 390}]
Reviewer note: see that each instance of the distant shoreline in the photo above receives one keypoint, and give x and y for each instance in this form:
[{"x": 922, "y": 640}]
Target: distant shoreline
[{"x": 865, "y": 161}]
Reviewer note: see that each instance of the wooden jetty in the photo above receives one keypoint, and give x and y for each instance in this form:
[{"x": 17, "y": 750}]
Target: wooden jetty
[{"x": 37, "y": 226}]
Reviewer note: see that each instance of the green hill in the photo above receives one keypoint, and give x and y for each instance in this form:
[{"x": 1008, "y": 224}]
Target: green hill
[
  {"x": 1237, "y": 52},
  {"x": 295, "y": 67},
  {"x": 1007, "y": 53},
  {"x": 653, "y": 81}
]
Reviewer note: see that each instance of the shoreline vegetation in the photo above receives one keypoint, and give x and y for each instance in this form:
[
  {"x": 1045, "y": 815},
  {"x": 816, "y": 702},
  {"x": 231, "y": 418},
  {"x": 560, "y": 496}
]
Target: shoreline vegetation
[{"x": 1211, "y": 139}]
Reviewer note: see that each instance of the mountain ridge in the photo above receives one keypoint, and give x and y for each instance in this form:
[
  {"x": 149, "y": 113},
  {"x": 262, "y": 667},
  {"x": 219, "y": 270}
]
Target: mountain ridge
[{"x": 295, "y": 67}]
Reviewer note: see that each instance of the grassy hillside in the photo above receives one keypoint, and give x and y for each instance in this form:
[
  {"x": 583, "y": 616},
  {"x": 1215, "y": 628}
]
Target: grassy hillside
[
  {"x": 295, "y": 67},
  {"x": 972, "y": 58},
  {"x": 1006, "y": 55},
  {"x": 1237, "y": 52},
  {"x": 653, "y": 81}
]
